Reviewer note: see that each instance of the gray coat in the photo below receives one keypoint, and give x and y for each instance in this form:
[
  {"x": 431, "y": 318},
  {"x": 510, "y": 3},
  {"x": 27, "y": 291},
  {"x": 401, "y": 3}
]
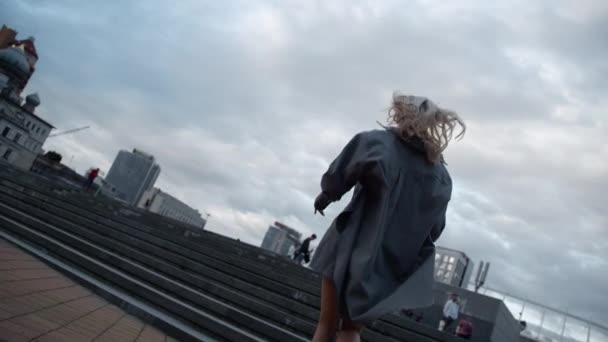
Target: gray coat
[{"x": 380, "y": 250}]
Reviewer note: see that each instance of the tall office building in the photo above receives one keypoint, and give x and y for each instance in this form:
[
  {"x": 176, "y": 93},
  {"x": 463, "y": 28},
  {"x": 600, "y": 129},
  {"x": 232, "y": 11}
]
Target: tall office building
[
  {"x": 452, "y": 267},
  {"x": 279, "y": 238},
  {"x": 132, "y": 174}
]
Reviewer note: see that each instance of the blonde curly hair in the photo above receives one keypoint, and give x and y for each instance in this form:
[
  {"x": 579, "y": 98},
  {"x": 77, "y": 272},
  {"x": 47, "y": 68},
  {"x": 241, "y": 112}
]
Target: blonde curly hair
[{"x": 420, "y": 117}]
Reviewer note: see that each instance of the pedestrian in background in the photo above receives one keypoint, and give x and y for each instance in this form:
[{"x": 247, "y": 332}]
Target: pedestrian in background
[
  {"x": 450, "y": 312},
  {"x": 303, "y": 253},
  {"x": 91, "y": 178}
]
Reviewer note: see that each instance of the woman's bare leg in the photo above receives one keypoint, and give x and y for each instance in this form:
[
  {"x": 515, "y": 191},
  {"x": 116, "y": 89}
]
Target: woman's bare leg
[
  {"x": 350, "y": 331},
  {"x": 328, "y": 321}
]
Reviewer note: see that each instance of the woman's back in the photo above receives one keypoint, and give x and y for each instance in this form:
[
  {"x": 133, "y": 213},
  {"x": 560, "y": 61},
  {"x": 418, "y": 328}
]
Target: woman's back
[
  {"x": 396, "y": 213},
  {"x": 378, "y": 255}
]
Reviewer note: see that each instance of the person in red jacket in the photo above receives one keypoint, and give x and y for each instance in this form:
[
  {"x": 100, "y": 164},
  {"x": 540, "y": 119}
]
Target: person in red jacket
[
  {"x": 91, "y": 178},
  {"x": 465, "y": 328}
]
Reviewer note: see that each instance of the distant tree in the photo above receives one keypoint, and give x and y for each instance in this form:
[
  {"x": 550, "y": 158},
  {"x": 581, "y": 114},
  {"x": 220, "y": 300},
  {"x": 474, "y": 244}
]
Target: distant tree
[{"x": 53, "y": 156}]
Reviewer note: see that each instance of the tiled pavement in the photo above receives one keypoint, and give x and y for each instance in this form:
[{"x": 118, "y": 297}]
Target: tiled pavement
[{"x": 37, "y": 303}]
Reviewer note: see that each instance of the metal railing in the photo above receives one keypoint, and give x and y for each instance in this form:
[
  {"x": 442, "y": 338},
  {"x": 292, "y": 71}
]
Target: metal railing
[{"x": 544, "y": 323}]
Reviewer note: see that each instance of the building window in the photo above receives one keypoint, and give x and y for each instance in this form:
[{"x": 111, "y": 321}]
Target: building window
[
  {"x": 5, "y": 131},
  {"x": 452, "y": 260},
  {"x": 43, "y": 131},
  {"x": 450, "y": 267},
  {"x": 38, "y": 130},
  {"x": 7, "y": 153},
  {"x": 446, "y": 258},
  {"x": 17, "y": 137},
  {"x": 27, "y": 124}
]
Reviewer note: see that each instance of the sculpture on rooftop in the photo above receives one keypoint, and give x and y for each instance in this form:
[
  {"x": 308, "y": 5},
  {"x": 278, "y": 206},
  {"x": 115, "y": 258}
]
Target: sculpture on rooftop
[{"x": 17, "y": 60}]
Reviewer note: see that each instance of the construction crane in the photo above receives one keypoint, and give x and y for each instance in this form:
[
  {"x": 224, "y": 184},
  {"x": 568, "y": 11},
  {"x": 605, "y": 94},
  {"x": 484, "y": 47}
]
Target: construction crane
[{"x": 69, "y": 131}]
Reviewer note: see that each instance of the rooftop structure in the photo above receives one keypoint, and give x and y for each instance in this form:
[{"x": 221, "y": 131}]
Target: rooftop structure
[
  {"x": 452, "y": 267},
  {"x": 22, "y": 131},
  {"x": 546, "y": 323}
]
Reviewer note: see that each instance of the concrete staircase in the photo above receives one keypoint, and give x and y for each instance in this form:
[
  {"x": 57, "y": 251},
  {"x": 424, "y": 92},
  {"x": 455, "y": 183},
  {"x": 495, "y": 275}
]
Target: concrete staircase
[{"x": 205, "y": 287}]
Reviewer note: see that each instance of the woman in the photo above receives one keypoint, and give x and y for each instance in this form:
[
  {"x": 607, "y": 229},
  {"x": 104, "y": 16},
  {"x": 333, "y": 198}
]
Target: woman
[{"x": 378, "y": 255}]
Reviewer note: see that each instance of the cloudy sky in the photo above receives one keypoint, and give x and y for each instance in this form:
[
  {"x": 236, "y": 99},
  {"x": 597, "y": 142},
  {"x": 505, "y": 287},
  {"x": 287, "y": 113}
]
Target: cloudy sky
[{"x": 245, "y": 103}]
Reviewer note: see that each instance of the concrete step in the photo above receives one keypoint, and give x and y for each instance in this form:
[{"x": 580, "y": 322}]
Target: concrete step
[
  {"x": 105, "y": 204},
  {"x": 207, "y": 254},
  {"x": 291, "y": 321},
  {"x": 245, "y": 296},
  {"x": 167, "y": 303},
  {"x": 158, "y": 221},
  {"x": 209, "y": 257}
]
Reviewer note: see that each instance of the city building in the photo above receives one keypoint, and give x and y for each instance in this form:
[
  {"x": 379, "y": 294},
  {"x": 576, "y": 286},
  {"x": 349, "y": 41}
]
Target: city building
[
  {"x": 279, "y": 238},
  {"x": 132, "y": 174},
  {"x": 162, "y": 203},
  {"x": 22, "y": 131},
  {"x": 452, "y": 267}
]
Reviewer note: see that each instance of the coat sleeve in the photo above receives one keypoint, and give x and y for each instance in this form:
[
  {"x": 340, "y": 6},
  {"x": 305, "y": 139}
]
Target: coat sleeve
[
  {"x": 438, "y": 228},
  {"x": 440, "y": 225},
  {"x": 359, "y": 162}
]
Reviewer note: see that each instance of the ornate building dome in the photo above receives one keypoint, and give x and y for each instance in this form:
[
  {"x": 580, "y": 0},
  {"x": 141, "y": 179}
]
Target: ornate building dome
[{"x": 15, "y": 60}]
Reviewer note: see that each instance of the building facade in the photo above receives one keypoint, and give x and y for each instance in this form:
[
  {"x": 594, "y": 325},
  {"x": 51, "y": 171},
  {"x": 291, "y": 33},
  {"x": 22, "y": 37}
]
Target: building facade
[
  {"x": 452, "y": 267},
  {"x": 22, "y": 131},
  {"x": 132, "y": 174},
  {"x": 279, "y": 238},
  {"x": 162, "y": 203}
]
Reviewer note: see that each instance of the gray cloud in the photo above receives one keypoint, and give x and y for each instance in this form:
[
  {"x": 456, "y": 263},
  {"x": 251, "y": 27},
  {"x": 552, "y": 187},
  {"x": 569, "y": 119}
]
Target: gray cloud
[{"x": 244, "y": 106}]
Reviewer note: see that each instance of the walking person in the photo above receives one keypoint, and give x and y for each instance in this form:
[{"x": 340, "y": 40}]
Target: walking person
[
  {"x": 303, "y": 253},
  {"x": 91, "y": 178},
  {"x": 378, "y": 255}
]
